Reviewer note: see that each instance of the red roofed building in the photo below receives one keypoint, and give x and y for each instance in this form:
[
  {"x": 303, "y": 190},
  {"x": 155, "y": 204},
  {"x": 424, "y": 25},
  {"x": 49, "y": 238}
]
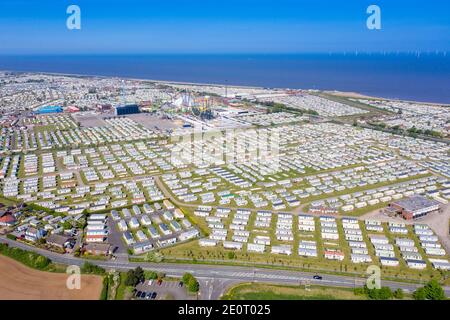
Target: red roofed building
[
  {"x": 7, "y": 220},
  {"x": 72, "y": 109},
  {"x": 95, "y": 238}
]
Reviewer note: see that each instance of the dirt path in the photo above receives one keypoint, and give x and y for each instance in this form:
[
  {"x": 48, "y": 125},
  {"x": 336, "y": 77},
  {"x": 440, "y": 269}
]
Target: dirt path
[{"x": 19, "y": 282}]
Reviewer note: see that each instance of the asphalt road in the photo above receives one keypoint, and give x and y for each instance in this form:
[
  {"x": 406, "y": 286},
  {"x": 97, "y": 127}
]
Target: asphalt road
[{"x": 215, "y": 279}]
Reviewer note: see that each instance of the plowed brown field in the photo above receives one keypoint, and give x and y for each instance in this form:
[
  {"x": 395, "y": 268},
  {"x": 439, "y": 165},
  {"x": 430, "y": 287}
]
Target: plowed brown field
[{"x": 18, "y": 281}]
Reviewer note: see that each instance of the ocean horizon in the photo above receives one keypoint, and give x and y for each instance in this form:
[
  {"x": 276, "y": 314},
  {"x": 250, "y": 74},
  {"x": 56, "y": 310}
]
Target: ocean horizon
[{"x": 414, "y": 77}]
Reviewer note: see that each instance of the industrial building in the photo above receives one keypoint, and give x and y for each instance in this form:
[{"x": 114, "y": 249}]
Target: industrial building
[
  {"x": 72, "y": 109},
  {"x": 49, "y": 109},
  {"x": 414, "y": 207},
  {"x": 128, "y": 109}
]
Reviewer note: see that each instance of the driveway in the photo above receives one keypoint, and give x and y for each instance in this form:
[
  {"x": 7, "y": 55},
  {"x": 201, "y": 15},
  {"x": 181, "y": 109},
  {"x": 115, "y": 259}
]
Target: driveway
[
  {"x": 439, "y": 222},
  {"x": 214, "y": 288},
  {"x": 115, "y": 239}
]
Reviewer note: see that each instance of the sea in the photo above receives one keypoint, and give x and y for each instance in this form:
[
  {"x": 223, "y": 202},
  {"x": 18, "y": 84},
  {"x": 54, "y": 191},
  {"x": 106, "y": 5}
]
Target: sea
[{"x": 421, "y": 77}]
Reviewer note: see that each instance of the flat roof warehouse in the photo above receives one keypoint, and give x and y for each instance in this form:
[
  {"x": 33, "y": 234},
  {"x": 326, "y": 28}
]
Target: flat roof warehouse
[
  {"x": 415, "y": 206},
  {"x": 48, "y": 109}
]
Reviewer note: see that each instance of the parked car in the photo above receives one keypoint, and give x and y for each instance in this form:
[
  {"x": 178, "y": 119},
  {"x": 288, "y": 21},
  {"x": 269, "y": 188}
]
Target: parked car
[
  {"x": 159, "y": 282},
  {"x": 180, "y": 284},
  {"x": 154, "y": 294},
  {"x": 138, "y": 294}
]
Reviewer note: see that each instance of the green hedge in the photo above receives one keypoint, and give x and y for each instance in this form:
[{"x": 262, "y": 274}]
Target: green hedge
[
  {"x": 150, "y": 275},
  {"x": 11, "y": 236},
  {"x": 190, "y": 282},
  {"x": 36, "y": 207},
  {"x": 28, "y": 258},
  {"x": 92, "y": 269},
  {"x": 104, "y": 293}
]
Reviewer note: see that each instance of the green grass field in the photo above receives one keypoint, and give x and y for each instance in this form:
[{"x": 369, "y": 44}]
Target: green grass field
[{"x": 257, "y": 291}]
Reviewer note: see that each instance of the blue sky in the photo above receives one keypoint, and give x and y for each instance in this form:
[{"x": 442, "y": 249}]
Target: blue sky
[{"x": 231, "y": 26}]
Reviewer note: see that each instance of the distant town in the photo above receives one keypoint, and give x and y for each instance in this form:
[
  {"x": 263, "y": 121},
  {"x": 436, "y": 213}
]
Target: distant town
[{"x": 234, "y": 184}]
